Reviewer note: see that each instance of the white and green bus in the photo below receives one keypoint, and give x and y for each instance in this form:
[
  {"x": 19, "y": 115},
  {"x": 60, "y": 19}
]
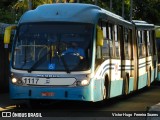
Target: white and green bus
[
  {"x": 119, "y": 57},
  {"x": 157, "y": 30}
]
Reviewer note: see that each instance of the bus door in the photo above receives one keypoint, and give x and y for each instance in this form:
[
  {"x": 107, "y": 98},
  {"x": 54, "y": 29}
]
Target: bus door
[
  {"x": 151, "y": 57},
  {"x": 127, "y": 64},
  {"x": 126, "y": 59},
  {"x": 115, "y": 59},
  {"x": 111, "y": 61}
]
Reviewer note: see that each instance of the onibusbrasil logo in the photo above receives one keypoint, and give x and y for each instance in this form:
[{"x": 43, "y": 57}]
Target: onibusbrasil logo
[{"x": 16, "y": 114}]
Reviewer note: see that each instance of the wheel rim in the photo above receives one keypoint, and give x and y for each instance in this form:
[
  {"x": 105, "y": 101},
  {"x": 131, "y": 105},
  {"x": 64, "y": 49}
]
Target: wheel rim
[{"x": 104, "y": 93}]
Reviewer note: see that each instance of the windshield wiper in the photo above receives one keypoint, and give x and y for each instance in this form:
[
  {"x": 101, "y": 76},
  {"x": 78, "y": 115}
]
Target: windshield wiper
[
  {"x": 61, "y": 57},
  {"x": 38, "y": 62},
  {"x": 65, "y": 64},
  {"x": 41, "y": 60}
]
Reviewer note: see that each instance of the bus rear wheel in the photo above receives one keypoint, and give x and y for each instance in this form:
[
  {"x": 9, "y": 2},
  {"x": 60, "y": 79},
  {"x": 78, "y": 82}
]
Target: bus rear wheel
[
  {"x": 149, "y": 78},
  {"x": 126, "y": 84}
]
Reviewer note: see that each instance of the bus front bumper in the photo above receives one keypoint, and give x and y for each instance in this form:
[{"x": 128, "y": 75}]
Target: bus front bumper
[{"x": 52, "y": 93}]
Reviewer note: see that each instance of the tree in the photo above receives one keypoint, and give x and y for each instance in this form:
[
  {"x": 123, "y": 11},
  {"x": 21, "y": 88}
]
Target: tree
[
  {"x": 147, "y": 10},
  {"x": 24, "y": 4},
  {"x": 120, "y": 7}
]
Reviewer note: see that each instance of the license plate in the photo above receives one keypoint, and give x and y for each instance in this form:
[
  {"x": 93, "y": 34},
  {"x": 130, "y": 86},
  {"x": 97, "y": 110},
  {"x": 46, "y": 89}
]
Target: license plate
[{"x": 47, "y": 94}]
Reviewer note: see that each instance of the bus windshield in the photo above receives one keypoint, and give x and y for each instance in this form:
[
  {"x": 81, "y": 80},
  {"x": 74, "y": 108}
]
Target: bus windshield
[{"x": 53, "y": 47}]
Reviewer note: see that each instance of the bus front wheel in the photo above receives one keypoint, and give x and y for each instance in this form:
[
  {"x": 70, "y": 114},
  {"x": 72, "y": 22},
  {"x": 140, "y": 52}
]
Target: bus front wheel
[{"x": 106, "y": 88}]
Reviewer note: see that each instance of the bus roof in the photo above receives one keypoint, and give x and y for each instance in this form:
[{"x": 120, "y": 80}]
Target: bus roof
[
  {"x": 116, "y": 18},
  {"x": 143, "y": 25},
  {"x": 69, "y": 12}
]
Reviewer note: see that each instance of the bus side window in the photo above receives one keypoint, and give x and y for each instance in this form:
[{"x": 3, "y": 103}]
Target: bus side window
[
  {"x": 99, "y": 51},
  {"x": 141, "y": 44},
  {"x": 116, "y": 36},
  {"x": 151, "y": 43},
  {"x": 126, "y": 43},
  {"x": 153, "y": 39},
  {"x": 121, "y": 40},
  {"x": 130, "y": 44},
  {"x": 110, "y": 37},
  {"x": 105, "y": 47},
  {"x": 148, "y": 44}
]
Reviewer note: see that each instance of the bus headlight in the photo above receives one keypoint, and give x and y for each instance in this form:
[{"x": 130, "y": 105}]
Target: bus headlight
[
  {"x": 82, "y": 83},
  {"x": 16, "y": 81}
]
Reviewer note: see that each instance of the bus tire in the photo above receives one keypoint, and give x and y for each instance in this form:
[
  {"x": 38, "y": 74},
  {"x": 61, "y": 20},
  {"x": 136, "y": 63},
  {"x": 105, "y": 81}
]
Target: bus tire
[
  {"x": 149, "y": 78},
  {"x": 106, "y": 88},
  {"x": 126, "y": 84}
]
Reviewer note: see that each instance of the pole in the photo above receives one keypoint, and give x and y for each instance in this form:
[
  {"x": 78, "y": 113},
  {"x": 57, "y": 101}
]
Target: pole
[
  {"x": 110, "y": 5},
  {"x": 123, "y": 8},
  {"x": 131, "y": 9},
  {"x": 29, "y": 4}
]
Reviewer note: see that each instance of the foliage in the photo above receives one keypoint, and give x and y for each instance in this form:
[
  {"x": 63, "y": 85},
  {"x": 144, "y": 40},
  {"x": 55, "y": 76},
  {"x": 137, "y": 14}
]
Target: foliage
[
  {"x": 6, "y": 16},
  {"x": 24, "y": 4},
  {"x": 147, "y": 10}
]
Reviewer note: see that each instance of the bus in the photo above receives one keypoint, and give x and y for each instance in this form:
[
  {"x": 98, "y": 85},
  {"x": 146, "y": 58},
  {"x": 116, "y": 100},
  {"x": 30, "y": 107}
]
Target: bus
[
  {"x": 147, "y": 52},
  {"x": 120, "y": 56},
  {"x": 157, "y": 30}
]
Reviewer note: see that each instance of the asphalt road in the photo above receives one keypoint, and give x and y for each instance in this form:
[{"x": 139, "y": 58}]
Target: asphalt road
[{"x": 135, "y": 103}]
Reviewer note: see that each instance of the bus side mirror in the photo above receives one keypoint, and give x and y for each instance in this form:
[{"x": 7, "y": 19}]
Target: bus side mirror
[
  {"x": 99, "y": 36},
  {"x": 7, "y": 35}
]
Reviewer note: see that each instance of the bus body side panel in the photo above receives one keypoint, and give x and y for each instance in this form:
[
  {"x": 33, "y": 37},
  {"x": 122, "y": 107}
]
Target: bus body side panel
[
  {"x": 142, "y": 78},
  {"x": 150, "y": 67},
  {"x": 116, "y": 80},
  {"x": 116, "y": 88},
  {"x": 131, "y": 84},
  {"x": 128, "y": 68},
  {"x": 101, "y": 71},
  {"x": 97, "y": 90},
  {"x": 156, "y": 67},
  {"x": 152, "y": 75},
  {"x": 142, "y": 82},
  {"x": 154, "y": 70}
]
